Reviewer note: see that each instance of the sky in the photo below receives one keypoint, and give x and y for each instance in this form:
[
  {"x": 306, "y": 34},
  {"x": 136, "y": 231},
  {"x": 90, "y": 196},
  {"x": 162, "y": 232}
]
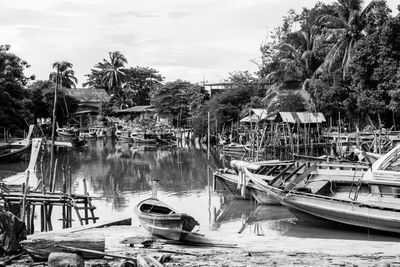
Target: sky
[{"x": 192, "y": 40}]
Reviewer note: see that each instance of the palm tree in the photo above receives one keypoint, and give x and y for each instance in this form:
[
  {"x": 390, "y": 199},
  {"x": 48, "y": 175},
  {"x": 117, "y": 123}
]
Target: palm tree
[
  {"x": 66, "y": 76},
  {"x": 114, "y": 70},
  {"x": 292, "y": 61},
  {"x": 346, "y": 28}
]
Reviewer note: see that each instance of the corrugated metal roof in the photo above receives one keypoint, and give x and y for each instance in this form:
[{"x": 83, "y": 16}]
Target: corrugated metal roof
[
  {"x": 301, "y": 117},
  {"x": 136, "y": 109},
  {"x": 95, "y": 95}
]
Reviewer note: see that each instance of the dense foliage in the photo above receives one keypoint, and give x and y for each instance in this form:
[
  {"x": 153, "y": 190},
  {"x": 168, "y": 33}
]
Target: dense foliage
[
  {"x": 14, "y": 101},
  {"x": 339, "y": 58}
]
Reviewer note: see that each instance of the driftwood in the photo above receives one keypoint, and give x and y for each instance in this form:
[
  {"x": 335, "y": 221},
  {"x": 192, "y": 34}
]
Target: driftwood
[{"x": 41, "y": 245}]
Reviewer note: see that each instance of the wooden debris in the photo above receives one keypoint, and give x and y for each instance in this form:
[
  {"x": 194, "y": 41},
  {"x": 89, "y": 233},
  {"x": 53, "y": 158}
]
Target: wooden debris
[
  {"x": 141, "y": 262},
  {"x": 41, "y": 245},
  {"x": 149, "y": 241},
  {"x": 155, "y": 262},
  {"x": 176, "y": 252},
  {"x": 100, "y": 253}
]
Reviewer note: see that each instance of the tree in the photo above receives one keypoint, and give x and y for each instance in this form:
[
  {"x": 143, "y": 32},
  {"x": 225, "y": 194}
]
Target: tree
[
  {"x": 14, "y": 112},
  {"x": 67, "y": 77},
  {"x": 171, "y": 101},
  {"x": 140, "y": 82},
  {"x": 347, "y": 27},
  {"x": 291, "y": 102},
  {"x": 375, "y": 71},
  {"x": 40, "y": 107}
]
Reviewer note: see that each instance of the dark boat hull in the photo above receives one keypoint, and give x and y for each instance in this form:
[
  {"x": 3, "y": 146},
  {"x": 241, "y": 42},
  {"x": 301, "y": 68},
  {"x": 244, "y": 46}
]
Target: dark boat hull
[{"x": 16, "y": 155}]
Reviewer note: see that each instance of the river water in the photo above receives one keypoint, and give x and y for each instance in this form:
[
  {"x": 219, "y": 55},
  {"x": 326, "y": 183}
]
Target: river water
[{"x": 119, "y": 175}]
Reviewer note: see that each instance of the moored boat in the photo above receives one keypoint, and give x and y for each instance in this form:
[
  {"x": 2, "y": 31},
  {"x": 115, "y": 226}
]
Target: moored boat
[
  {"x": 15, "y": 182},
  {"x": 67, "y": 131},
  {"x": 161, "y": 220},
  {"x": 16, "y": 150},
  {"x": 371, "y": 201}
]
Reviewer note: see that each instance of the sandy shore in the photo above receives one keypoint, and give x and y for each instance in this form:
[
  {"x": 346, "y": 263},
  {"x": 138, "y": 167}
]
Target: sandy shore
[
  {"x": 253, "y": 251},
  {"x": 265, "y": 251}
]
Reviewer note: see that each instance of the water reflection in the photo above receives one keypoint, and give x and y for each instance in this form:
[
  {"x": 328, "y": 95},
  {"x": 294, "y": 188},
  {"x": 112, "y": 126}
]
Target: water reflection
[{"x": 121, "y": 174}]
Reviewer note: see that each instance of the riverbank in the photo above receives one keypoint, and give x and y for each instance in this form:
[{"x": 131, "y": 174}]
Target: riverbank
[{"x": 254, "y": 251}]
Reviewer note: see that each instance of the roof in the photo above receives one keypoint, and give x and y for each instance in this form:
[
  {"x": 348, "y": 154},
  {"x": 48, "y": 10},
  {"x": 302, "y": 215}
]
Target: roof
[
  {"x": 95, "y": 95},
  {"x": 253, "y": 118},
  {"x": 137, "y": 109},
  {"x": 257, "y": 114},
  {"x": 300, "y": 117}
]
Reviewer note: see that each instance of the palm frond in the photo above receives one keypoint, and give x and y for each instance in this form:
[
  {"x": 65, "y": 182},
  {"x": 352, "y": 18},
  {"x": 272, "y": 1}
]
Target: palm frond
[{"x": 332, "y": 22}]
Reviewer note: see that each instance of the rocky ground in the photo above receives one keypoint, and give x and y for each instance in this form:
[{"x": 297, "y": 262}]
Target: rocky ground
[{"x": 255, "y": 251}]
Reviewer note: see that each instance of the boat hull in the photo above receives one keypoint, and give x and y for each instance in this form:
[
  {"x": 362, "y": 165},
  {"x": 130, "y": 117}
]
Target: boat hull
[
  {"x": 161, "y": 220},
  {"x": 16, "y": 154},
  {"x": 230, "y": 183},
  {"x": 174, "y": 228},
  {"x": 345, "y": 212},
  {"x": 264, "y": 196}
]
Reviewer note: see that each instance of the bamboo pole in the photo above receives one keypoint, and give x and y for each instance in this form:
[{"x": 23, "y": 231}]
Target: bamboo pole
[
  {"x": 25, "y": 189},
  {"x": 54, "y": 122},
  {"x": 53, "y": 181},
  {"x": 208, "y": 137}
]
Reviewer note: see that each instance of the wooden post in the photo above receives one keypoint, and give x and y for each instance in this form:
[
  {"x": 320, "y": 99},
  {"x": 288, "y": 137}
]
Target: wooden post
[
  {"x": 64, "y": 189},
  {"x": 25, "y": 191},
  {"x": 69, "y": 208},
  {"x": 32, "y": 220},
  {"x": 208, "y": 137},
  {"x": 53, "y": 181},
  {"x": 86, "y": 201},
  {"x": 53, "y": 128}
]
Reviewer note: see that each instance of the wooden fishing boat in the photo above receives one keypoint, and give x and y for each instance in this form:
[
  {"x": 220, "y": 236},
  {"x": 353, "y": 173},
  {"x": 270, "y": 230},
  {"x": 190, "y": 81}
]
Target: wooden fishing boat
[
  {"x": 15, "y": 182},
  {"x": 371, "y": 201},
  {"x": 124, "y": 136},
  {"x": 67, "y": 131},
  {"x": 265, "y": 179},
  {"x": 161, "y": 220},
  {"x": 18, "y": 150}
]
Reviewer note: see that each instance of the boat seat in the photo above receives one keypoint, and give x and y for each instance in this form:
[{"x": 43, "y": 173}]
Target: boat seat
[{"x": 266, "y": 178}]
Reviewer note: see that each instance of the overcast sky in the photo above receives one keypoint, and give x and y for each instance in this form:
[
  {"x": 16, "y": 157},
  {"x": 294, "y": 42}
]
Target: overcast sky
[{"x": 182, "y": 39}]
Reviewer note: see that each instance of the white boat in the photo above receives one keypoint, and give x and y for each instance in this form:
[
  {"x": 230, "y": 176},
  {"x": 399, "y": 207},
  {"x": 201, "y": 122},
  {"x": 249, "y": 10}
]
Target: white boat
[
  {"x": 373, "y": 201},
  {"x": 67, "y": 131},
  {"x": 15, "y": 182}
]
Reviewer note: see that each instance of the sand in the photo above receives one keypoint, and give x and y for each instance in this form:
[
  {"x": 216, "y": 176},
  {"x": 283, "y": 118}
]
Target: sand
[{"x": 253, "y": 251}]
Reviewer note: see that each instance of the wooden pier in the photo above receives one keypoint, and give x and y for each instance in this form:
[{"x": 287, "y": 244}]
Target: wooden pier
[{"x": 28, "y": 205}]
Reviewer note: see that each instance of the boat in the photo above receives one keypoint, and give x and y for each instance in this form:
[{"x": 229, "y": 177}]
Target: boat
[
  {"x": 17, "y": 150},
  {"x": 87, "y": 134},
  {"x": 124, "y": 136},
  {"x": 15, "y": 182},
  {"x": 161, "y": 220},
  {"x": 78, "y": 142},
  {"x": 264, "y": 180},
  {"x": 373, "y": 201},
  {"x": 67, "y": 131}
]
